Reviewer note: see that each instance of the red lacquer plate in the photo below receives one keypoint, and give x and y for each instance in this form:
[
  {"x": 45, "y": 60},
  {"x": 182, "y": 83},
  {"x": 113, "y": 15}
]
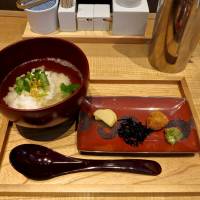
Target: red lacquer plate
[{"x": 95, "y": 137}]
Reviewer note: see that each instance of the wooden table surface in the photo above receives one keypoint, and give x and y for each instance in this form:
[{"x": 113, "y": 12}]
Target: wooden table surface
[{"x": 130, "y": 62}]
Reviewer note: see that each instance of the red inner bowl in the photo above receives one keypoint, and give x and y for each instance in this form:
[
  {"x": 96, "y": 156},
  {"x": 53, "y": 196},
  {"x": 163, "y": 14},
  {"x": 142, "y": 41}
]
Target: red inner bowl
[{"x": 50, "y": 65}]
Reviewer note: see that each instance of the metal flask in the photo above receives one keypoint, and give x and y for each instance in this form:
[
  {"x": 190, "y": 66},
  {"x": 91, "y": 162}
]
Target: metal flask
[{"x": 176, "y": 34}]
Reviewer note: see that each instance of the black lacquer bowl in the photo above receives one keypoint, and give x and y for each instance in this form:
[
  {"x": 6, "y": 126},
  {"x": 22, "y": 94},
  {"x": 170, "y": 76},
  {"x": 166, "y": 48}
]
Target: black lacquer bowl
[{"x": 63, "y": 113}]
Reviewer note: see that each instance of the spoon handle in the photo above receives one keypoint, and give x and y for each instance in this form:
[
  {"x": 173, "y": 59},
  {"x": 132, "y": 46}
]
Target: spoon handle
[{"x": 140, "y": 166}]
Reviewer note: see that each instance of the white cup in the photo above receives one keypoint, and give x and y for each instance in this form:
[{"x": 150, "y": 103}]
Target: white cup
[
  {"x": 43, "y": 19},
  {"x": 128, "y": 3}
]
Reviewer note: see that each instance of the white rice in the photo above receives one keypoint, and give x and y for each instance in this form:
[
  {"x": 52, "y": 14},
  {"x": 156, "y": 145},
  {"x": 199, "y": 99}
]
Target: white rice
[{"x": 25, "y": 101}]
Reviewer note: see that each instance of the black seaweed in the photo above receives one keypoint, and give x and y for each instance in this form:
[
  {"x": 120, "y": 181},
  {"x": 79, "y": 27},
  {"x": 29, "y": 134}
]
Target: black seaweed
[{"x": 132, "y": 131}]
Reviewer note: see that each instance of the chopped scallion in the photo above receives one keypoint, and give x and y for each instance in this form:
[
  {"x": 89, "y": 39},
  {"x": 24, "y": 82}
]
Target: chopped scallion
[{"x": 35, "y": 82}]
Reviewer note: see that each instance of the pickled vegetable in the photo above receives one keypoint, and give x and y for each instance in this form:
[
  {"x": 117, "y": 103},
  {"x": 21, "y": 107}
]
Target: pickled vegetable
[{"x": 173, "y": 135}]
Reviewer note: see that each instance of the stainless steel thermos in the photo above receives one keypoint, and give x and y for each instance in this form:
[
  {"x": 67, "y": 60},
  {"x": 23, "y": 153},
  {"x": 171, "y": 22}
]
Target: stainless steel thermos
[{"x": 176, "y": 34}]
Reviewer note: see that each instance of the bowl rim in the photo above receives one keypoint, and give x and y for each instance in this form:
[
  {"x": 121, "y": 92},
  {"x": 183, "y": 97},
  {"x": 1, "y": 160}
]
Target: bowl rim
[{"x": 28, "y": 10}]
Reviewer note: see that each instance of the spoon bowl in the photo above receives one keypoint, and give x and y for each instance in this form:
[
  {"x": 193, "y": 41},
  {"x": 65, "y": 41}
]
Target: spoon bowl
[{"x": 40, "y": 163}]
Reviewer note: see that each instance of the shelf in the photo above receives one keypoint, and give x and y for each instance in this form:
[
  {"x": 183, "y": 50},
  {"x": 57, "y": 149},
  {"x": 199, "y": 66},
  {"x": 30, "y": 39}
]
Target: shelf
[{"x": 97, "y": 36}]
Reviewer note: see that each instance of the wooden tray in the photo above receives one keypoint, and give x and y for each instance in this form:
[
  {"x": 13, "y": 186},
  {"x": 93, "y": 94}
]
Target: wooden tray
[
  {"x": 180, "y": 174},
  {"x": 97, "y": 36}
]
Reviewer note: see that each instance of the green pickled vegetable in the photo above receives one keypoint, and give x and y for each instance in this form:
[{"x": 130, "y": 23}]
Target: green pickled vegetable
[
  {"x": 35, "y": 82},
  {"x": 173, "y": 135},
  {"x": 68, "y": 89}
]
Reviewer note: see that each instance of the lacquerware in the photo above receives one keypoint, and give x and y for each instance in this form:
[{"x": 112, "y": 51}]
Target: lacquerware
[
  {"x": 41, "y": 48},
  {"x": 95, "y": 137},
  {"x": 39, "y": 163}
]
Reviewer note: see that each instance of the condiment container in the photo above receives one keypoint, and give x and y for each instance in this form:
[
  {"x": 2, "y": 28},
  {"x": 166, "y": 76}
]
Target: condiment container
[
  {"x": 130, "y": 21},
  {"x": 85, "y": 17},
  {"x": 43, "y": 18},
  {"x": 101, "y": 17},
  {"x": 67, "y": 17}
]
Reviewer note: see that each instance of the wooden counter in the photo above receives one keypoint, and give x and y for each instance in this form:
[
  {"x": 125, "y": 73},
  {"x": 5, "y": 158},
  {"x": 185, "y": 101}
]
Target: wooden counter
[{"x": 120, "y": 62}]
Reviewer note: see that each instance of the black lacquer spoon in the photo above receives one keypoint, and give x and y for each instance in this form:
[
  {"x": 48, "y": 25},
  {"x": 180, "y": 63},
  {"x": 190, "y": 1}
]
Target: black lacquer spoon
[{"x": 40, "y": 163}]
